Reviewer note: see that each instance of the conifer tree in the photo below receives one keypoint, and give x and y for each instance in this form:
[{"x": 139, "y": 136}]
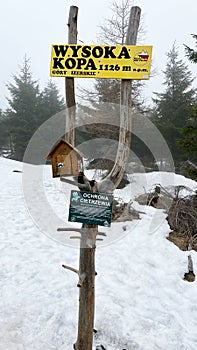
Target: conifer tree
[
  {"x": 28, "y": 108},
  {"x": 172, "y": 107},
  {"x": 3, "y": 133},
  {"x": 22, "y": 113},
  {"x": 188, "y": 142},
  {"x": 192, "y": 53},
  {"x": 51, "y": 102}
]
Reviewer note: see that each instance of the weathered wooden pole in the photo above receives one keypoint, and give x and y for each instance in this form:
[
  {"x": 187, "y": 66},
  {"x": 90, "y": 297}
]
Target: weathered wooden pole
[
  {"x": 69, "y": 82},
  {"x": 87, "y": 288},
  {"x": 88, "y": 232}
]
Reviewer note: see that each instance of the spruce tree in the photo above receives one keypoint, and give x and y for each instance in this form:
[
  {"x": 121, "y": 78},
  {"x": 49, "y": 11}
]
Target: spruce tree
[
  {"x": 190, "y": 52},
  {"x": 51, "y": 102},
  {"x": 188, "y": 142},
  {"x": 3, "y": 133},
  {"x": 28, "y": 108},
  {"x": 172, "y": 107},
  {"x": 23, "y": 109}
]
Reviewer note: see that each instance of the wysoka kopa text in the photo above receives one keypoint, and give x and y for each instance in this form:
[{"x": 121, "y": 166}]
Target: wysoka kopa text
[
  {"x": 87, "y": 51},
  {"x": 80, "y": 56}
]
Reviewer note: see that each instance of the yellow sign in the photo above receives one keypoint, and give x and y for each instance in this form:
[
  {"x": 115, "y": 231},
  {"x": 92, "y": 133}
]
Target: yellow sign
[{"x": 95, "y": 61}]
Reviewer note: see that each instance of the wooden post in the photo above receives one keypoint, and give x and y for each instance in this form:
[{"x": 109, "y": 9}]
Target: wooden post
[
  {"x": 88, "y": 232},
  {"x": 69, "y": 82},
  {"x": 87, "y": 288},
  {"x": 190, "y": 275}
]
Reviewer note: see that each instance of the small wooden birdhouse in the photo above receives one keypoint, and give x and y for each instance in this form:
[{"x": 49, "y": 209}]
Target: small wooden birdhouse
[{"x": 65, "y": 159}]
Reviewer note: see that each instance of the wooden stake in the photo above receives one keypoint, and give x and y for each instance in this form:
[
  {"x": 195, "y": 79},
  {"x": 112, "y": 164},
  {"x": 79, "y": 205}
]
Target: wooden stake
[
  {"x": 66, "y": 229},
  {"x": 70, "y": 87},
  {"x": 87, "y": 289}
]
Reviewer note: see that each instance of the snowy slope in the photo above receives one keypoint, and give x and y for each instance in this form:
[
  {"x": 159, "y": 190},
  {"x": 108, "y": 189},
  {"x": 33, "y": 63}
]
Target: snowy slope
[{"x": 142, "y": 303}]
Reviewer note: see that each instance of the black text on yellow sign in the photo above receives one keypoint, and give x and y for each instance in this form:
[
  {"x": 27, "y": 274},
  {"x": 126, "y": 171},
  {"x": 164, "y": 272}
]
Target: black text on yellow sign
[{"x": 95, "y": 61}]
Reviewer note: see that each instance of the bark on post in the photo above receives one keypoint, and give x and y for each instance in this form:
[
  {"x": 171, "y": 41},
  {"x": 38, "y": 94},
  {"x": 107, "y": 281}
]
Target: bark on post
[
  {"x": 111, "y": 182},
  {"x": 87, "y": 288},
  {"x": 69, "y": 82},
  {"x": 88, "y": 232}
]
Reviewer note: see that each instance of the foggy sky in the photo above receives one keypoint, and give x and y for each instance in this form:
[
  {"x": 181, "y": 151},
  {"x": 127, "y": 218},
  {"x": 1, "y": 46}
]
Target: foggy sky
[{"x": 30, "y": 27}]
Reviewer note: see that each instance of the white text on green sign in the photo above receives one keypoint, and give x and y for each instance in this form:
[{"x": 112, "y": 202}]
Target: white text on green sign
[{"x": 90, "y": 208}]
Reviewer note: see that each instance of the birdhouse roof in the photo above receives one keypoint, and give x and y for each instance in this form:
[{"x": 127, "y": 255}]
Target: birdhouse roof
[{"x": 58, "y": 144}]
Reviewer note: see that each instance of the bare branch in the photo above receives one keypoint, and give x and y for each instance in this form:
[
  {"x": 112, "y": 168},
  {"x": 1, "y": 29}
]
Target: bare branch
[
  {"x": 190, "y": 264},
  {"x": 70, "y": 268},
  {"x": 69, "y": 229},
  {"x": 81, "y": 280}
]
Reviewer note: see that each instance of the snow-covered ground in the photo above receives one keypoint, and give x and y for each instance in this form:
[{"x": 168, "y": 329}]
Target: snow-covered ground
[{"x": 142, "y": 302}]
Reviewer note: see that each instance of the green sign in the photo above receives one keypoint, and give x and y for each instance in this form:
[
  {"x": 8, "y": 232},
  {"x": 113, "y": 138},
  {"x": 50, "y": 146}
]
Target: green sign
[{"x": 90, "y": 208}]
